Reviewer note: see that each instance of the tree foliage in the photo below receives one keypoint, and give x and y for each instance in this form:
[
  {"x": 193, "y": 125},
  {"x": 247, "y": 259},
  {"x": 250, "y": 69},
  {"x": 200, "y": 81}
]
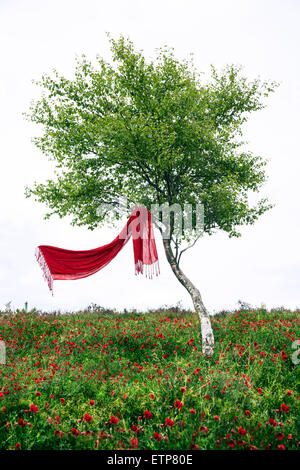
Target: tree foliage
[{"x": 150, "y": 131}]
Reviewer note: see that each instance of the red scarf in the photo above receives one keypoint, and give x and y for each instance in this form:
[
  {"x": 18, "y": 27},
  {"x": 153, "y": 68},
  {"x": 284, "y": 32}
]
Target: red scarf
[{"x": 58, "y": 263}]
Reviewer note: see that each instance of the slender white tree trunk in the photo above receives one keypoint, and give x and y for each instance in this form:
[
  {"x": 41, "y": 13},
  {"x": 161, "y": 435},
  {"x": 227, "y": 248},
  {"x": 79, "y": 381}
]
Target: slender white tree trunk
[{"x": 206, "y": 329}]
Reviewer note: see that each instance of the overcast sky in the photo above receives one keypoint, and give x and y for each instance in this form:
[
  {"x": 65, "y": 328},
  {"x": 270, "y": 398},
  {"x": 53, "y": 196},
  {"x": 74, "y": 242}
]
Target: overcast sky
[{"x": 262, "y": 35}]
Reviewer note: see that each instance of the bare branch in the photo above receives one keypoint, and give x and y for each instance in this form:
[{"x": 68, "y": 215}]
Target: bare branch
[{"x": 188, "y": 247}]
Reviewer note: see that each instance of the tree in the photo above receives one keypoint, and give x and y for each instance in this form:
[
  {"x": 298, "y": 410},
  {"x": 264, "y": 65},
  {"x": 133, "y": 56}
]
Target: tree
[{"x": 155, "y": 133}]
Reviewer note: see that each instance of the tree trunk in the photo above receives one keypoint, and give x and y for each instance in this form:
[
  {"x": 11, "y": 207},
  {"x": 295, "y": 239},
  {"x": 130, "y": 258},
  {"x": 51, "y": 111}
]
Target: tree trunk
[{"x": 206, "y": 329}]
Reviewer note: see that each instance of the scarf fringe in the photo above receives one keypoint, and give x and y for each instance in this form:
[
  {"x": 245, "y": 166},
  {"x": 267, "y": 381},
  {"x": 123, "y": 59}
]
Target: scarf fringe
[
  {"x": 44, "y": 267},
  {"x": 148, "y": 269}
]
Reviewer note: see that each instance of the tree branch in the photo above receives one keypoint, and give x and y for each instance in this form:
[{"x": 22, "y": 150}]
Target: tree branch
[{"x": 188, "y": 247}]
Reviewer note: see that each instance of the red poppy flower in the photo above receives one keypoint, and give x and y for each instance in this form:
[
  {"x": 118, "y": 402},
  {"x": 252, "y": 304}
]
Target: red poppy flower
[
  {"x": 178, "y": 404},
  {"x": 194, "y": 446},
  {"x": 285, "y": 408},
  {"x": 147, "y": 414},
  {"x": 114, "y": 420},
  {"x": 134, "y": 442},
  {"x": 273, "y": 422},
  {"x": 231, "y": 443},
  {"x": 33, "y": 408},
  {"x": 283, "y": 356},
  {"x": 135, "y": 428},
  {"x": 87, "y": 418},
  {"x": 169, "y": 422},
  {"x": 203, "y": 429},
  {"x": 75, "y": 432}
]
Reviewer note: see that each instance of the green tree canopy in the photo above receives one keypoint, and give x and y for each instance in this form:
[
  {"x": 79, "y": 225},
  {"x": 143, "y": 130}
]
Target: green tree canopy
[{"x": 152, "y": 132}]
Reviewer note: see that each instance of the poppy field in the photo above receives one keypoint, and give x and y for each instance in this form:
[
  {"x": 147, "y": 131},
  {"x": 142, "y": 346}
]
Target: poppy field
[{"x": 139, "y": 381}]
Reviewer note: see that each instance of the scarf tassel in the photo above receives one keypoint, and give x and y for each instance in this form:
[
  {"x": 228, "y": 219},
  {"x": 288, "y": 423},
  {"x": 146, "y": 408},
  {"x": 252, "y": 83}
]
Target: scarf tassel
[
  {"x": 149, "y": 270},
  {"x": 45, "y": 269}
]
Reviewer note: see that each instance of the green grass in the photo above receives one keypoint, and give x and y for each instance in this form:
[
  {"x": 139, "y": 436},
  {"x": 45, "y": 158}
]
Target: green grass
[{"x": 119, "y": 361}]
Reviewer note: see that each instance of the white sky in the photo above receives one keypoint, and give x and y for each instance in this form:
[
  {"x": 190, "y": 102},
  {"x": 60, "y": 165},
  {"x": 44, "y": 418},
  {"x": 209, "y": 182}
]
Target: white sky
[{"x": 263, "y": 36}]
